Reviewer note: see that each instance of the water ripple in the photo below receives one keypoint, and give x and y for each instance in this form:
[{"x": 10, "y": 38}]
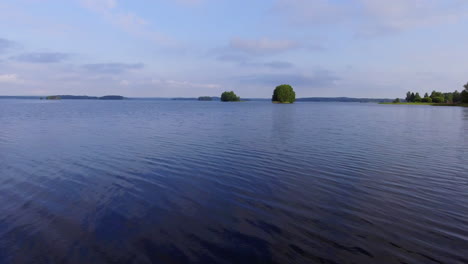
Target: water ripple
[{"x": 196, "y": 182}]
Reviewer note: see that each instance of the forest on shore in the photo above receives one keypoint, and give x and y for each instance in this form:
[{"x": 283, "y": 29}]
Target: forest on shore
[{"x": 435, "y": 97}]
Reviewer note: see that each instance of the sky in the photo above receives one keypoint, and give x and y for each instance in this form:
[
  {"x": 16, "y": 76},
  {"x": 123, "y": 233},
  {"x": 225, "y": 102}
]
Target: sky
[{"x": 189, "y": 48}]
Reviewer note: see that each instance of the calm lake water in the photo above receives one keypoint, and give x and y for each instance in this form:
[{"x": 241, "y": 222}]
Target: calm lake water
[{"x": 253, "y": 182}]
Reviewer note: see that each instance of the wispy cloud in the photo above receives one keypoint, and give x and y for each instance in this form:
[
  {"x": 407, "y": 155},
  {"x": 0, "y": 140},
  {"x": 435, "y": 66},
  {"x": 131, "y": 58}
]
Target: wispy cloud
[
  {"x": 262, "y": 46},
  {"x": 183, "y": 84},
  {"x": 6, "y": 45},
  {"x": 400, "y": 15},
  {"x": 371, "y": 17},
  {"x": 127, "y": 21},
  {"x": 42, "y": 57},
  {"x": 317, "y": 79},
  {"x": 311, "y": 11},
  {"x": 248, "y": 61},
  {"x": 279, "y": 64},
  {"x": 9, "y": 78},
  {"x": 112, "y": 68},
  {"x": 189, "y": 2},
  {"x": 99, "y": 5}
]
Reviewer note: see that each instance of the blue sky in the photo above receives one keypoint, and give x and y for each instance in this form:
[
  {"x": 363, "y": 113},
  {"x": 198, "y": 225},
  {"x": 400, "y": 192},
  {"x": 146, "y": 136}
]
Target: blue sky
[{"x": 167, "y": 48}]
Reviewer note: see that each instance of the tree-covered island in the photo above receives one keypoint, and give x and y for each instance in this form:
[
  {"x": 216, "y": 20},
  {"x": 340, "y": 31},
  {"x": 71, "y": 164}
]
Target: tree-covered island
[
  {"x": 284, "y": 94},
  {"x": 229, "y": 97}
]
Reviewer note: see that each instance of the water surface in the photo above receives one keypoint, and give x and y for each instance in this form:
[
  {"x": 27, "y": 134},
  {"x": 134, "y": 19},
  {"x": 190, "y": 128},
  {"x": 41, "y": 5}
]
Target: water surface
[{"x": 254, "y": 182}]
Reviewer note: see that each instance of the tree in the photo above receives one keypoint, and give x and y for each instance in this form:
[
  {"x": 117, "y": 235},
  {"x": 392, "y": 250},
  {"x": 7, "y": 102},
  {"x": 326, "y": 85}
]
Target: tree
[
  {"x": 408, "y": 97},
  {"x": 284, "y": 94},
  {"x": 464, "y": 96},
  {"x": 456, "y": 96},
  {"x": 229, "y": 97},
  {"x": 427, "y": 100},
  {"x": 412, "y": 97},
  {"x": 437, "y": 97},
  {"x": 448, "y": 97},
  {"x": 426, "y": 95},
  {"x": 417, "y": 98},
  {"x": 436, "y": 94},
  {"x": 396, "y": 101}
]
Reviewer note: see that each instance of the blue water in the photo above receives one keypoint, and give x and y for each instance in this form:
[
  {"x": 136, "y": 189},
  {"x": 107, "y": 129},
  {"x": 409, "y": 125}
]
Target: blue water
[{"x": 253, "y": 182}]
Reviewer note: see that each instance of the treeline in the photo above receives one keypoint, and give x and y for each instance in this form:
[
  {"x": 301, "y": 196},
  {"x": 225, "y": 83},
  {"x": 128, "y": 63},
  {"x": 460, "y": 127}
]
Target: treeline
[{"x": 439, "y": 97}]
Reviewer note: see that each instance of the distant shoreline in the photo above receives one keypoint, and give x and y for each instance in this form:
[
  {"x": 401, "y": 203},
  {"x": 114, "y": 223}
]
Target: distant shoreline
[
  {"x": 304, "y": 99},
  {"x": 82, "y": 97},
  {"x": 430, "y": 104}
]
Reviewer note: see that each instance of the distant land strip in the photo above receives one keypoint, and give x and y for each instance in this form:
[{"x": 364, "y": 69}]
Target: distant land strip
[{"x": 202, "y": 98}]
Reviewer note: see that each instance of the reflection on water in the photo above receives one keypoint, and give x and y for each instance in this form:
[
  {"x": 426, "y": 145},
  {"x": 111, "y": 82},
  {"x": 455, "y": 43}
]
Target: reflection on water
[{"x": 254, "y": 182}]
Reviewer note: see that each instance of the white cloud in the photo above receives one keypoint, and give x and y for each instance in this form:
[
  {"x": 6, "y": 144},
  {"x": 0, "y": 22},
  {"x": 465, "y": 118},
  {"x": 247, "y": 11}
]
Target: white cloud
[{"x": 9, "y": 78}]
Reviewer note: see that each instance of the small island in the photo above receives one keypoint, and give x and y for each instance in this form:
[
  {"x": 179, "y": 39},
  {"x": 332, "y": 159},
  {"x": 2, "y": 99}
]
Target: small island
[
  {"x": 284, "y": 94},
  {"x": 52, "y": 97},
  {"x": 111, "y": 97},
  {"x": 229, "y": 97}
]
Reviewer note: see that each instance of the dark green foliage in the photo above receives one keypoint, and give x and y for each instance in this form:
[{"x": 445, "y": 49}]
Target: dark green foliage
[
  {"x": 436, "y": 97},
  {"x": 438, "y": 100},
  {"x": 439, "y": 97},
  {"x": 426, "y": 100},
  {"x": 448, "y": 98},
  {"x": 417, "y": 98},
  {"x": 464, "y": 96},
  {"x": 456, "y": 97},
  {"x": 408, "y": 97},
  {"x": 396, "y": 101},
  {"x": 284, "y": 94},
  {"x": 229, "y": 97},
  {"x": 111, "y": 97}
]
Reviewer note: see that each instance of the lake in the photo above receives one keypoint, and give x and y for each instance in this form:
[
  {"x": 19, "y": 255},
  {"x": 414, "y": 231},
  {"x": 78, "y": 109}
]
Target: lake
[{"x": 142, "y": 181}]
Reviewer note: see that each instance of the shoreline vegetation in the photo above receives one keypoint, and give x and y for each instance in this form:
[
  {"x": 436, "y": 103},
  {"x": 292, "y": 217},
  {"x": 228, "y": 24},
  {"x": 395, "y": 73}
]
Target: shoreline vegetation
[
  {"x": 435, "y": 99},
  {"x": 430, "y": 104},
  {"x": 284, "y": 94}
]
